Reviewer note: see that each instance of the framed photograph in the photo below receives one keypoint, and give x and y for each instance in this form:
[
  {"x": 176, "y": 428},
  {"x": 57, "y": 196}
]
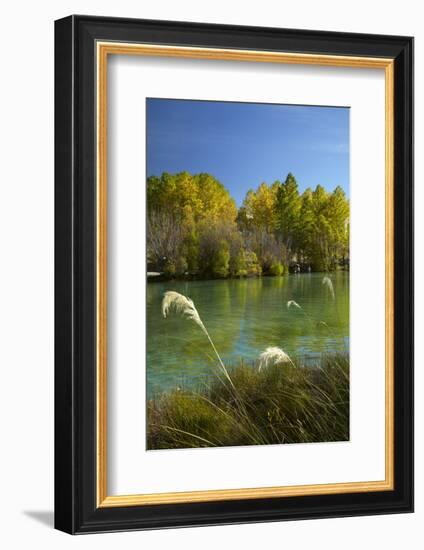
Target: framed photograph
[{"x": 234, "y": 274}]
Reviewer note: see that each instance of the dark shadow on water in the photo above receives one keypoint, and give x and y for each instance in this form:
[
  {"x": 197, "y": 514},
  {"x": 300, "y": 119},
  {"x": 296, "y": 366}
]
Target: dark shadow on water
[{"x": 46, "y": 517}]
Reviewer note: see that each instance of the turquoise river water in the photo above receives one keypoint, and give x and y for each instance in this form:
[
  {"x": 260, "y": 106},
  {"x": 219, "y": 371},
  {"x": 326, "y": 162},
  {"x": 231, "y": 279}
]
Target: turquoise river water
[{"x": 243, "y": 317}]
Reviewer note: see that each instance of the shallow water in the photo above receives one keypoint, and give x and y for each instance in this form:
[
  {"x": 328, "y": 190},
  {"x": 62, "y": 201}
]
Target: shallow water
[{"x": 243, "y": 317}]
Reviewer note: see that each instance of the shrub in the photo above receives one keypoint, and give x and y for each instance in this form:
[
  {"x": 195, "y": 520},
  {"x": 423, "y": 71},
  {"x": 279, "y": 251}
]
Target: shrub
[
  {"x": 252, "y": 264},
  {"x": 221, "y": 261},
  {"x": 277, "y": 269},
  {"x": 169, "y": 269},
  {"x": 181, "y": 265}
]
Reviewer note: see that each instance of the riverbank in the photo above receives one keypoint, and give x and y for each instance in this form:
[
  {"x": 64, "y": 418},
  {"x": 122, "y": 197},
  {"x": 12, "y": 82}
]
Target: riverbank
[
  {"x": 156, "y": 276},
  {"x": 281, "y": 403}
]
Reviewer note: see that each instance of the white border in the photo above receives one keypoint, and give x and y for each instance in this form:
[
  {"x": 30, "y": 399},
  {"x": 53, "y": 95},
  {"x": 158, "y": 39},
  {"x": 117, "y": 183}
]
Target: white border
[{"x": 131, "y": 469}]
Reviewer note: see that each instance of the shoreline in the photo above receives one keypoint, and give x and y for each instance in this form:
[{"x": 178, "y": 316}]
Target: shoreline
[{"x": 160, "y": 278}]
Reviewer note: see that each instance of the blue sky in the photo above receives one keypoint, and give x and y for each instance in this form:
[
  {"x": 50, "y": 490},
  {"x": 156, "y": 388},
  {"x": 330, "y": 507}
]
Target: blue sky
[{"x": 244, "y": 144}]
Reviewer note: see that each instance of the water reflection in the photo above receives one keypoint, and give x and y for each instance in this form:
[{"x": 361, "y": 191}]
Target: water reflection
[{"x": 244, "y": 317}]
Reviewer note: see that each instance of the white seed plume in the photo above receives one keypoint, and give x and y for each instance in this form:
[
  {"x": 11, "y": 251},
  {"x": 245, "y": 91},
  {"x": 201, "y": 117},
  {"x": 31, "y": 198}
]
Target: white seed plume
[
  {"x": 328, "y": 283},
  {"x": 174, "y": 301},
  {"x": 180, "y": 304},
  {"x": 273, "y": 356},
  {"x": 292, "y": 303}
]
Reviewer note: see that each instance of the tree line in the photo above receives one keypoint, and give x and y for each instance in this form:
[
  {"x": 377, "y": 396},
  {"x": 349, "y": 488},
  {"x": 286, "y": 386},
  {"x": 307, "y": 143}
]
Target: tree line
[{"x": 194, "y": 228}]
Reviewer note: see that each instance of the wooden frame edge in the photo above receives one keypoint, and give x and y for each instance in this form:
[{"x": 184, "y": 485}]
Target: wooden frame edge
[
  {"x": 101, "y": 270},
  {"x": 390, "y": 268},
  {"x": 244, "y": 494},
  {"x": 103, "y": 49}
]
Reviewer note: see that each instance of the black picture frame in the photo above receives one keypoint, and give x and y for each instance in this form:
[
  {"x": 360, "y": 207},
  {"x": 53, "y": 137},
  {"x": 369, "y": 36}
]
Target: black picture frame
[{"x": 76, "y": 510}]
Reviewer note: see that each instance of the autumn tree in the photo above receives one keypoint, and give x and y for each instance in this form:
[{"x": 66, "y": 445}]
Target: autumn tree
[
  {"x": 194, "y": 227},
  {"x": 258, "y": 209}
]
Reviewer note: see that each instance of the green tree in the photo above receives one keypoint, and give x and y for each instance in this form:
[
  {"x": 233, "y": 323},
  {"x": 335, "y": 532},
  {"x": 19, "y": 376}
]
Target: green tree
[
  {"x": 306, "y": 228},
  {"x": 338, "y": 215},
  {"x": 287, "y": 210}
]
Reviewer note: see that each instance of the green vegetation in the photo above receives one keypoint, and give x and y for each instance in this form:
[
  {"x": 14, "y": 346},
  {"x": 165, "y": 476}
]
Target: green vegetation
[
  {"x": 285, "y": 402},
  {"x": 195, "y": 229}
]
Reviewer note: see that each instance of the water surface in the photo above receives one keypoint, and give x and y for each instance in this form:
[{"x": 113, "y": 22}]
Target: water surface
[{"x": 243, "y": 317}]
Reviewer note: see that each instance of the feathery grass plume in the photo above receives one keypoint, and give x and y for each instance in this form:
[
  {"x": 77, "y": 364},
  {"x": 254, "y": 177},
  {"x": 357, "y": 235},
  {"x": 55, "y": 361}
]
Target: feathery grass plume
[
  {"x": 328, "y": 283},
  {"x": 180, "y": 304},
  {"x": 293, "y": 304},
  {"x": 273, "y": 356}
]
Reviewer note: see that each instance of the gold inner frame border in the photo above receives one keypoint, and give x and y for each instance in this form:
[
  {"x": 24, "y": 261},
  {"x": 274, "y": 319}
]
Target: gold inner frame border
[{"x": 103, "y": 50}]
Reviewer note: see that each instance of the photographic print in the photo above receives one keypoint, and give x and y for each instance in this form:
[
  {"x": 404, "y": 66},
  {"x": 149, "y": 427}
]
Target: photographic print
[{"x": 247, "y": 273}]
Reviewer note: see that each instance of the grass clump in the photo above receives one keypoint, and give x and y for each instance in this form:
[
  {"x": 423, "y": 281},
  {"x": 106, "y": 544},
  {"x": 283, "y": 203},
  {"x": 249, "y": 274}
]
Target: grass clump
[{"x": 281, "y": 403}]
